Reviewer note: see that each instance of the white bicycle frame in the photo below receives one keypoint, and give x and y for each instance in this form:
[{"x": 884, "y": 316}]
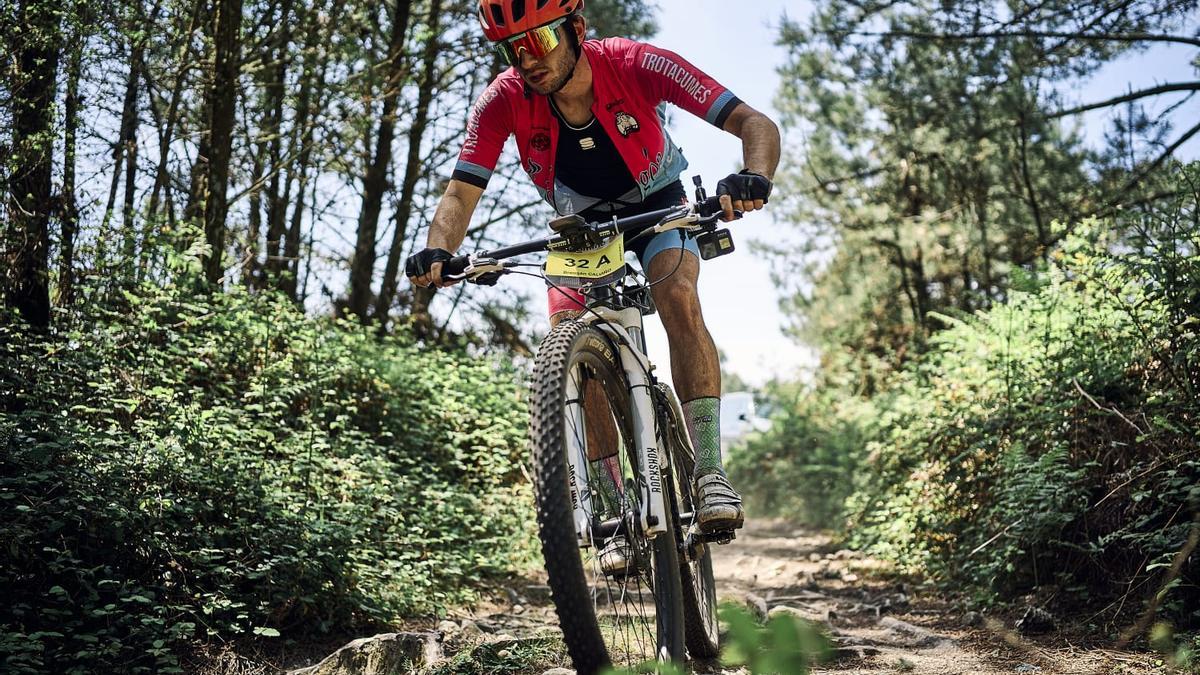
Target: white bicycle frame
[{"x": 624, "y": 327}]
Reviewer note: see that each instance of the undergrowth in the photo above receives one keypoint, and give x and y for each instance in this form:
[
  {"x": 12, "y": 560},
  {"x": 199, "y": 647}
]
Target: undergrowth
[
  {"x": 1048, "y": 445},
  {"x": 180, "y": 467}
]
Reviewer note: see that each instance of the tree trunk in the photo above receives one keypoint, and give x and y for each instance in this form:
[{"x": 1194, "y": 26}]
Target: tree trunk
[
  {"x": 167, "y": 131},
  {"x": 250, "y": 269},
  {"x": 129, "y": 127},
  {"x": 362, "y": 265},
  {"x": 312, "y": 91},
  {"x": 413, "y": 168},
  {"x": 69, "y": 204},
  {"x": 217, "y": 140},
  {"x": 278, "y": 195},
  {"x": 32, "y": 85}
]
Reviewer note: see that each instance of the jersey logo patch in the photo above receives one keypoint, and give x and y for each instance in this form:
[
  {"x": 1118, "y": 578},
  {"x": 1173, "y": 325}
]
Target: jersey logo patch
[
  {"x": 626, "y": 124},
  {"x": 540, "y": 142}
]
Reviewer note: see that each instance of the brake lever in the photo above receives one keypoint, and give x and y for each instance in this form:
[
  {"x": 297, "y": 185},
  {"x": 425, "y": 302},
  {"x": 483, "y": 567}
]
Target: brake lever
[{"x": 484, "y": 271}]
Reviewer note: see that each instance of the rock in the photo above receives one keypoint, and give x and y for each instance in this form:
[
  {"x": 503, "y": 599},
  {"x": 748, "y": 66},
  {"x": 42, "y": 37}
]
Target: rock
[
  {"x": 559, "y": 671},
  {"x": 517, "y": 609},
  {"x": 814, "y": 557},
  {"x": 757, "y": 606},
  {"x": 448, "y": 627},
  {"x": 845, "y": 554},
  {"x": 381, "y": 654},
  {"x": 914, "y": 636},
  {"x": 787, "y": 610},
  {"x": 972, "y": 619},
  {"x": 807, "y": 580},
  {"x": 1026, "y": 668},
  {"x": 537, "y": 593},
  {"x": 845, "y": 653},
  {"x": 1035, "y": 620},
  {"x": 470, "y": 629},
  {"x": 849, "y": 577}
]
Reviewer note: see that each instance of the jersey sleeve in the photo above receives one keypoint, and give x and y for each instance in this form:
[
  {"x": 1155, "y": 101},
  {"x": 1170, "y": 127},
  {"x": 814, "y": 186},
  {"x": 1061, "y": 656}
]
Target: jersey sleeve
[
  {"x": 671, "y": 78},
  {"x": 488, "y": 127}
]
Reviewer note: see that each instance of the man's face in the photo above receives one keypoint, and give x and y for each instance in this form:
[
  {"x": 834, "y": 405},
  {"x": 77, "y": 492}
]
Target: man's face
[{"x": 552, "y": 72}]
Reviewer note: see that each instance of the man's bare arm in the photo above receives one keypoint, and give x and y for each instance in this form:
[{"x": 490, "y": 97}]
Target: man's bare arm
[
  {"x": 449, "y": 225},
  {"x": 760, "y": 139}
]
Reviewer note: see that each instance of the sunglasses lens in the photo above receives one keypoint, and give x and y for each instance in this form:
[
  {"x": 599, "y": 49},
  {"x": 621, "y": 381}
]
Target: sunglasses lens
[
  {"x": 538, "y": 42},
  {"x": 543, "y": 40}
]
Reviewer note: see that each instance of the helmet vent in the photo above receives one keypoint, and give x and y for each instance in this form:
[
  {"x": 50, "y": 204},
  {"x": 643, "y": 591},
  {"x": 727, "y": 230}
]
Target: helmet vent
[
  {"x": 497, "y": 15},
  {"x": 542, "y": 3},
  {"x": 518, "y": 10}
]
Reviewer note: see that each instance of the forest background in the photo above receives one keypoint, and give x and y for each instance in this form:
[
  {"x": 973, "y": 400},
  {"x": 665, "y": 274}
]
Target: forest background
[{"x": 224, "y": 413}]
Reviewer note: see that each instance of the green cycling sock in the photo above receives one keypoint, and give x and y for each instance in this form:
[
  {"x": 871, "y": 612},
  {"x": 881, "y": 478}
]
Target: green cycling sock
[{"x": 703, "y": 419}]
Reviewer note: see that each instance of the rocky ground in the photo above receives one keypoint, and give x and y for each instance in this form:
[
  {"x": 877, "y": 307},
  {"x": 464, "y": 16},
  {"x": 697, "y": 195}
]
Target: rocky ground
[{"x": 878, "y": 625}]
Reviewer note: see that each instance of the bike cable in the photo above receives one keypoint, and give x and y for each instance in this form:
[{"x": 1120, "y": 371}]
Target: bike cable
[{"x": 603, "y": 320}]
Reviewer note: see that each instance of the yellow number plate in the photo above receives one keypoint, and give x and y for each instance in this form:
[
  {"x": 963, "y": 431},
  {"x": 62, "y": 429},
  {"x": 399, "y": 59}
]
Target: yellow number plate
[{"x": 593, "y": 264}]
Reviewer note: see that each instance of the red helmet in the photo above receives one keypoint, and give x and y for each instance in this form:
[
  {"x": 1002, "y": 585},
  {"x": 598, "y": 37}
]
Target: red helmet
[{"x": 506, "y": 18}]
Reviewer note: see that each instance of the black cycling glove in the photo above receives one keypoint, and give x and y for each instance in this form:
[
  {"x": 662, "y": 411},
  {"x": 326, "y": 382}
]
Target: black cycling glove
[
  {"x": 745, "y": 186},
  {"x": 418, "y": 264}
]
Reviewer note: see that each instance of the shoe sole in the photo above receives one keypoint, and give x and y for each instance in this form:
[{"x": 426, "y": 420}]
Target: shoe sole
[{"x": 722, "y": 525}]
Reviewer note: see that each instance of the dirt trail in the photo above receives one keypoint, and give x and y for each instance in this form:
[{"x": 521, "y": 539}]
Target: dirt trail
[{"x": 878, "y": 626}]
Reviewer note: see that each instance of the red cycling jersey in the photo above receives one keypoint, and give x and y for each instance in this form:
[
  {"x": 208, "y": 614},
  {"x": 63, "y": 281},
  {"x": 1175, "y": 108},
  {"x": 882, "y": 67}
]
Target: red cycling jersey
[{"x": 630, "y": 82}]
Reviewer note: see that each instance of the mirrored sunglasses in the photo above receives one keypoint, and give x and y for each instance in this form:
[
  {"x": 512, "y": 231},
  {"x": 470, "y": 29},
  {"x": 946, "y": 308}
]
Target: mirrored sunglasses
[{"x": 538, "y": 42}]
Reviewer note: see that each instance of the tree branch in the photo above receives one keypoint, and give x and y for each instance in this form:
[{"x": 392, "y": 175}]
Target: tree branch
[
  {"x": 988, "y": 35},
  {"x": 1131, "y": 96}
]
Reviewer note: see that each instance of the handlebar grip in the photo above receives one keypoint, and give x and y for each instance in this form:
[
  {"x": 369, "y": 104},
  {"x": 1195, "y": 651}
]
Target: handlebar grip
[
  {"x": 712, "y": 206},
  {"x": 456, "y": 266}
]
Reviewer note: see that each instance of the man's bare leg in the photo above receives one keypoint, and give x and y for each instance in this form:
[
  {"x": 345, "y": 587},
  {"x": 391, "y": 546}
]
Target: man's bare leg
[{"x": 696, "y": 371}]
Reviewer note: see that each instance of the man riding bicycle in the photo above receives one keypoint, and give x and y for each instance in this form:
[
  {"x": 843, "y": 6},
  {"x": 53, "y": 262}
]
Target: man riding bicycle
[{"x": 589, "y": 129}]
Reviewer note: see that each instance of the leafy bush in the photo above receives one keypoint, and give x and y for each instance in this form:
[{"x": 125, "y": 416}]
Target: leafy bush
[
  {"x": 180, "y": 468},
  {"x": 1049, "y": 440}
]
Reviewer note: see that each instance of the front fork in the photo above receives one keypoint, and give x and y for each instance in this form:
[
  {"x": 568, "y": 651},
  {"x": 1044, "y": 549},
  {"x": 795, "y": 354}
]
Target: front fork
[{"x": 624, "y": 327}]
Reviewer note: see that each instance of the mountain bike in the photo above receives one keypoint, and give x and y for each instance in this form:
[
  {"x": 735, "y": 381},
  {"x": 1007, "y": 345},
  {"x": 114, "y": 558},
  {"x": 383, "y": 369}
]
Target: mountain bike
[{"x": 592, "y": 380}]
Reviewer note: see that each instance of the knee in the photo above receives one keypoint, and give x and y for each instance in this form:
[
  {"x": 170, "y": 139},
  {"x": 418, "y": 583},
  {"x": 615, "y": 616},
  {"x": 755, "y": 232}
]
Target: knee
[{"x": 677, "y": 300}]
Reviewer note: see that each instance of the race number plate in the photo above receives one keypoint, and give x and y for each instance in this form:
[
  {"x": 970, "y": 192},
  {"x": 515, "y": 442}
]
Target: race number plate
[{"x": 594, "y": 264}]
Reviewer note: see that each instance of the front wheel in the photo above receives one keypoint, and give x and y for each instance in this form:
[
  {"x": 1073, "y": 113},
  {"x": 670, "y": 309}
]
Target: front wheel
[{"x": 621, "y": 618}]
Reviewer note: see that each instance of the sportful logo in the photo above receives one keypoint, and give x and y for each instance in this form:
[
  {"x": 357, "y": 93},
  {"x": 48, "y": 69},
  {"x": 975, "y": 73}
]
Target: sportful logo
[
  {"x": 678, "y": 74},
  {"x": 533, "y": 169}
]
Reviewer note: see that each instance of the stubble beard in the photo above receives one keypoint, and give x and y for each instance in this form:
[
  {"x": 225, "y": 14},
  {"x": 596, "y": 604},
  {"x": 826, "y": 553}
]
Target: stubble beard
[{"x": 559, "y": 81}]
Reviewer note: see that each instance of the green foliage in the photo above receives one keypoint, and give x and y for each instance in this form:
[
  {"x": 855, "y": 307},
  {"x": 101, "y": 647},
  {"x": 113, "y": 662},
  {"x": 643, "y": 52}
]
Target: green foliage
[
  {"x": 182, "y": 468},
  {"x": 803, "y": 466},
  {"x": 1048, "y": 440},
  {"x": 786, "y": 645}
]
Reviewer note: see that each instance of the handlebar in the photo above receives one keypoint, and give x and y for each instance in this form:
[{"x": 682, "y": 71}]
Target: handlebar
[{"x": 488, "y": 264}]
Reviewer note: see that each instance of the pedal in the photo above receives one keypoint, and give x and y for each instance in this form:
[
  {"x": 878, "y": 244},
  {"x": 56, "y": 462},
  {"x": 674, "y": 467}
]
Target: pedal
[
  {"x": 719, "y": 538},
  {"x": 693, "y": 540}
]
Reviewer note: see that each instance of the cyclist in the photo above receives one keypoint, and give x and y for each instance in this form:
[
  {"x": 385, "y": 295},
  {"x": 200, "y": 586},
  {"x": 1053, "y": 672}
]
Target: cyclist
[{"x": 587, "y": 117}]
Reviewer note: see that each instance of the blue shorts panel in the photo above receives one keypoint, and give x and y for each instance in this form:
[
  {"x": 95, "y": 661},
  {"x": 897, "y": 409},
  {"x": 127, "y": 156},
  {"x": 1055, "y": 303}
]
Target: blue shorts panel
[{"x": 671, "y": 240}]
